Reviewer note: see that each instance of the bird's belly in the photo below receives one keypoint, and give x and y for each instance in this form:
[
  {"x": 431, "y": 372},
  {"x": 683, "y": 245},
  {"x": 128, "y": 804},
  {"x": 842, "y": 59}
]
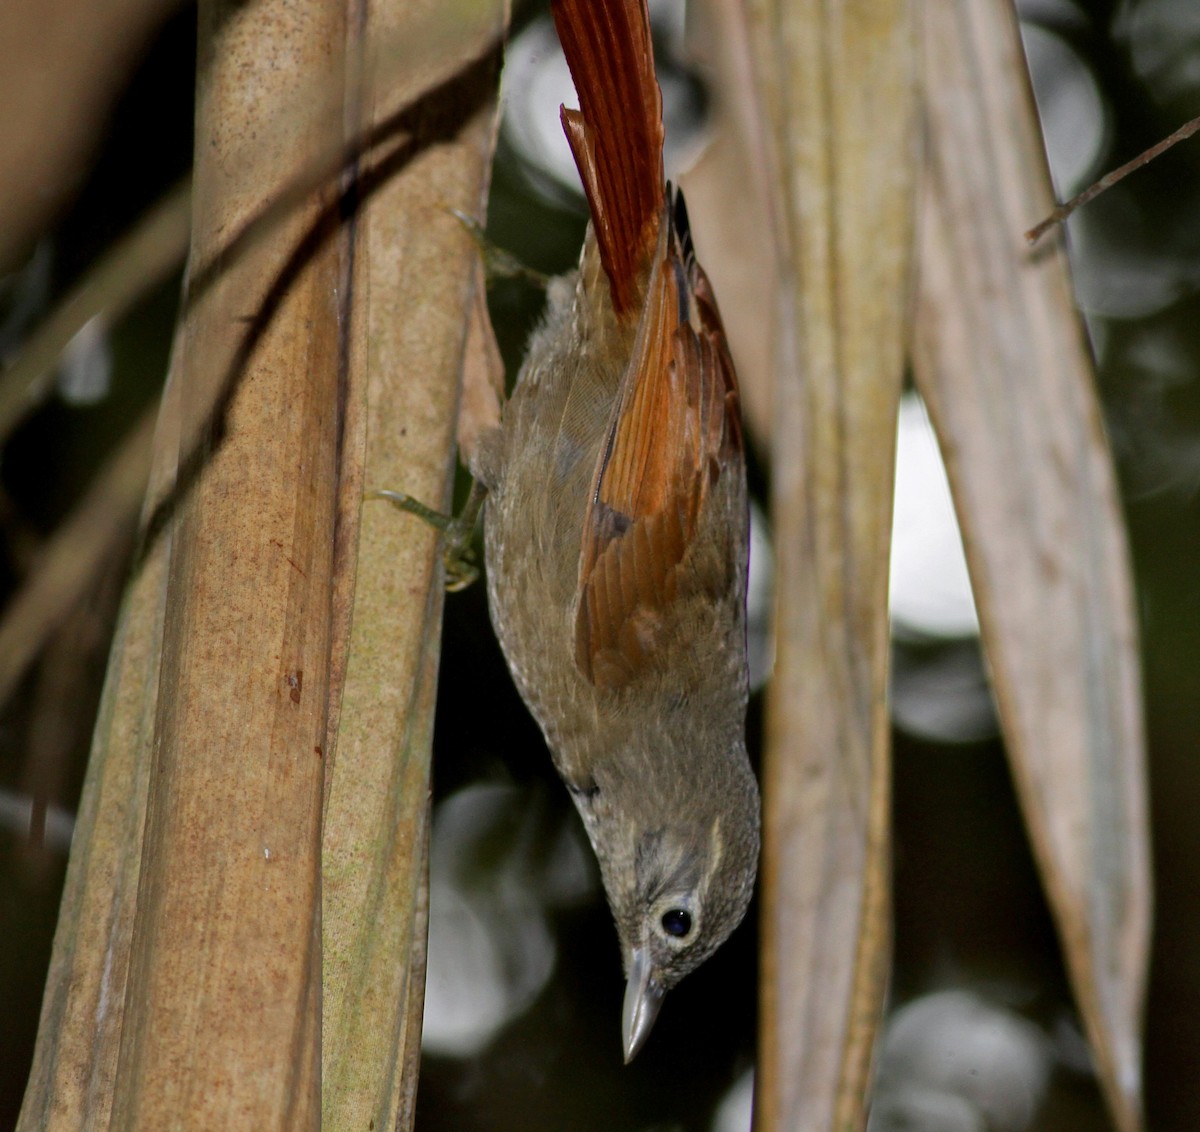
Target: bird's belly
[{"x": 533, "y": 527}]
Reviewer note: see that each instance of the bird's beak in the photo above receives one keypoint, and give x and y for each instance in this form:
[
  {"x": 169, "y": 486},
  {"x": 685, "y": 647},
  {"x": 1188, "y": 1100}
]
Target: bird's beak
[{"x": 643, "y": 997}]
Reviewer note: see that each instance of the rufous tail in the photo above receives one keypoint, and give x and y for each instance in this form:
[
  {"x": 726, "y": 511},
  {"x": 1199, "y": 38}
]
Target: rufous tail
[{"x": 616, "y": 134}]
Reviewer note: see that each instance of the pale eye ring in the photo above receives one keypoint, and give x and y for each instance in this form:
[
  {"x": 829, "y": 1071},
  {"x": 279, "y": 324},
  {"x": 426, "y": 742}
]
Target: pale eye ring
[{"x": 677, "y": 922}]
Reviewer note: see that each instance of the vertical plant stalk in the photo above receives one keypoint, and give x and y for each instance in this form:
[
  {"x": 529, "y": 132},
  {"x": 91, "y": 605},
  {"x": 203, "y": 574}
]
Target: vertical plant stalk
[
  {"x": 223, "y": 999},
  {"x": 413, "y": 280},
  {"x": 836, "y": 83},
  {"x": 186, "y": 964},
  {"x": 1002, "y": 362}
]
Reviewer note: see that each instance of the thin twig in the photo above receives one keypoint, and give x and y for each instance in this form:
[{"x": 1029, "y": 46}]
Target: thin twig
[{"x": 1109, "y": 179}]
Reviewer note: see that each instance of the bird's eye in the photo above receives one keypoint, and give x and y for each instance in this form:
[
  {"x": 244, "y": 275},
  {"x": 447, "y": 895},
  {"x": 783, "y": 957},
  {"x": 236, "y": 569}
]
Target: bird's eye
[{"x": 676, "y": 922}]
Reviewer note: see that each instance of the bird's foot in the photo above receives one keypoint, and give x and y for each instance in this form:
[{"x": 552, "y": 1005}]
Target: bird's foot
[{"x": 458, "y": 555}]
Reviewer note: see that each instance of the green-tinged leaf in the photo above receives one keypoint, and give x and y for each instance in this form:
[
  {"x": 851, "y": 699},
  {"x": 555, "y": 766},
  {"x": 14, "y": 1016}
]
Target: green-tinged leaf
[{"x": 414, "y": 281}]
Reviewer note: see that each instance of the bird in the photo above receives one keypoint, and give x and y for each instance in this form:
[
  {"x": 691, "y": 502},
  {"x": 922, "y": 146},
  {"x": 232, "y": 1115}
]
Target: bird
[{"x": 616, "y": 535}]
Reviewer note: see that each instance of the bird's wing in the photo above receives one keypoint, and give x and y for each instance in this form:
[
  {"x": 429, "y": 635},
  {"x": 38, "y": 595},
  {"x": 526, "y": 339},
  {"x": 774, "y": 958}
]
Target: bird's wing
[{"x": 674, "y": 433}]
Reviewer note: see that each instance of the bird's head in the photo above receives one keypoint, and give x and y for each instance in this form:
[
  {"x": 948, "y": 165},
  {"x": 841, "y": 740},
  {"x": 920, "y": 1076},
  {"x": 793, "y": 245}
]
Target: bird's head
[{"x": 679, "y": 872}]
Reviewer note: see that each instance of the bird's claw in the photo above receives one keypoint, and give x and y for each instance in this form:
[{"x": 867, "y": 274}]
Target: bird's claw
[{"x": 458, "y": 555}]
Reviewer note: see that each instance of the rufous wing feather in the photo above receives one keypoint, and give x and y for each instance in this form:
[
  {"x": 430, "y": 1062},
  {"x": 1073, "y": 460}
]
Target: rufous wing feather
[{"x": 675, "y": 432}]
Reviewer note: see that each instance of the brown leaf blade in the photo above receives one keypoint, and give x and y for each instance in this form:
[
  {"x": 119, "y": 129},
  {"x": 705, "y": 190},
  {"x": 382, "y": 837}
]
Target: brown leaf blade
[
  {"x": 836, "y": 84},
  {"x": 1004, "y": 368}
]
